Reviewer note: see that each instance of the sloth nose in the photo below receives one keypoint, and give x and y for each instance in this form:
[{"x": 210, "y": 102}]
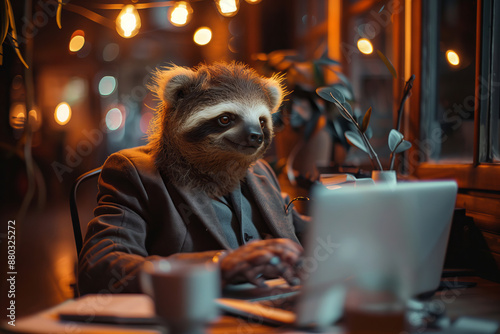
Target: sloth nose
[{"x": 255, "y": 138}]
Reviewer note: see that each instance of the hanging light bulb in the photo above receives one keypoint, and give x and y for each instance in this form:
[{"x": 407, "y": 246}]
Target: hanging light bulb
[
  {"x": 228, "y": 8},
  {"x": 180, "y": 14},
  {"x": 128, "y": 22}
]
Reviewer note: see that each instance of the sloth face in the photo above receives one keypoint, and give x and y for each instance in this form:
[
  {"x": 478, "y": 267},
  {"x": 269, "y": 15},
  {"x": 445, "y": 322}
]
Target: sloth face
[
  {"x": 238, "y": 127},
  {"x": 213, "y": 123}
]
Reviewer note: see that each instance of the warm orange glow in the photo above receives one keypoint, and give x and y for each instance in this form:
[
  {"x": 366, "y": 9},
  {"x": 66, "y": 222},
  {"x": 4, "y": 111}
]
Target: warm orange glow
[
  {"x": 180, "y": 14},
  {"x": 365, "y": 46},
  {"x": 77, "y": 41},
  {"x": 17, "y": 115},
  {"x": 452, "y": 57},
  {"x": 145, "y": 120},
  {"x": 202, "y": 36},
  {"x": 128, "y": 22},
  {"x": 228, "y": 8},
  {"x": 62, "y": 114},
  {"x": 253, "y": 1},
  {"x": 34, "y": 119}
]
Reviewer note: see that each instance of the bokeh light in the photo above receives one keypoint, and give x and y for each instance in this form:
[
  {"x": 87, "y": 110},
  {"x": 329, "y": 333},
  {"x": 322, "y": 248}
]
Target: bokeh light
[
  {"x": 452, "y": 57},
  {"x": 107, "y": 85},
  {"x": 77, "y": 41},
  {"x": 202, "y": 36},
  {"x": 365, "y": 46},
  {"x": 17, "y": 115},
  {"x": 114, "y": 119},
  {"x": 62, "y": 114},
  {"x": 110, "y": 52},
  {"x": 35, "y": 119}
]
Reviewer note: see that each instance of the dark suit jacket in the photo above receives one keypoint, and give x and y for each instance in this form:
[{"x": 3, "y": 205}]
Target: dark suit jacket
[{"x": 142, "y": 216}]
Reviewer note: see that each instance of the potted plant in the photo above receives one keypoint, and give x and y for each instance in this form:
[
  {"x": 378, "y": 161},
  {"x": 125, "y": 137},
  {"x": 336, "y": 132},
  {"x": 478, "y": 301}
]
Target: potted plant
[{"x": 360, "y": 138}]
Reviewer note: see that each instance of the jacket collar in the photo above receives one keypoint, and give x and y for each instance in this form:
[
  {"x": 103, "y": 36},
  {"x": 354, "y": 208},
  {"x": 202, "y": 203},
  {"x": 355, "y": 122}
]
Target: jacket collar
[
  {"x": 197, "y": 204},
  {"x": 270, "y": 204}
]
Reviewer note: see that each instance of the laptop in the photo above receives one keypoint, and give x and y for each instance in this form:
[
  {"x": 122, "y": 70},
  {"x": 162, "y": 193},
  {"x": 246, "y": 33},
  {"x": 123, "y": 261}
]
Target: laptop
[{"x": 375, "y": 237}]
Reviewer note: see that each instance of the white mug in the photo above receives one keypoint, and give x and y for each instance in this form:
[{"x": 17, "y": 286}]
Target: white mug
[{"x": 183, "y": 293}]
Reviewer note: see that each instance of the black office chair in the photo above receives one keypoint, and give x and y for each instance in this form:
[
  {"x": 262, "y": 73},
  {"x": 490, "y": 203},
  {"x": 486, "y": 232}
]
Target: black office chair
[{"x": 75, "y": 219}]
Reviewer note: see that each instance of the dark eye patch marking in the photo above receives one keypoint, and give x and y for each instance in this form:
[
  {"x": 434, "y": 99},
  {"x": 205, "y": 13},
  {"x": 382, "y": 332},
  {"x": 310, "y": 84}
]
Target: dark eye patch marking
[{"x": 209, "y": 127}]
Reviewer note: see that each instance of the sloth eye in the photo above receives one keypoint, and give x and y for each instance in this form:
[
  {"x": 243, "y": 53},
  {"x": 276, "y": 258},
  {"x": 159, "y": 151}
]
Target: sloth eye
[
  {"x": 224, "y": 120},
  {"x": 262, "y": 122}
]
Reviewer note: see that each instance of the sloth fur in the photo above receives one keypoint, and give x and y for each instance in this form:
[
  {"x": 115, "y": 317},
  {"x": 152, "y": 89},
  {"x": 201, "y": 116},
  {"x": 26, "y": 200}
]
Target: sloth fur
[{"x": 212, "y": 124}]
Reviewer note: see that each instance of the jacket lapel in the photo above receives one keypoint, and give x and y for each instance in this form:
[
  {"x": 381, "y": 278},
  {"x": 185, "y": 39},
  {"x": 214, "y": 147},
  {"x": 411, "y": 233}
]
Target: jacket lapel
[
  {"x": 271, "y": 205},
  {"x": 196, "y": 203}
]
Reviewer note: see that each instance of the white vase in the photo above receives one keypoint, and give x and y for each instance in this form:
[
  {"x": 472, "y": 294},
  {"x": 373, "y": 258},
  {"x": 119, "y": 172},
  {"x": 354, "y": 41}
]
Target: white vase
[{"x": 384, "y": 176}]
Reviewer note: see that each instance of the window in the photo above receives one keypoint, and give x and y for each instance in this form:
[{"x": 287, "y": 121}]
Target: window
[{"x": 458, "y": 131}]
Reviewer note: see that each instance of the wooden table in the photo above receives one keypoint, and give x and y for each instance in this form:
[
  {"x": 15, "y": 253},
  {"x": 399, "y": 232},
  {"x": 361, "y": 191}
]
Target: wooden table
[{"x": 481, "y": 301}]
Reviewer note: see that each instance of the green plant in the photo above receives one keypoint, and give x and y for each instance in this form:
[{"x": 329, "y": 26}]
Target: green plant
[{"x": 360, "y": 139}]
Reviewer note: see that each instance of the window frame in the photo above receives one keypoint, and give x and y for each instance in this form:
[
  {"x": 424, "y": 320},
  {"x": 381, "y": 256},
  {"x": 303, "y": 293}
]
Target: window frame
[{"x": 481, "y": 174}]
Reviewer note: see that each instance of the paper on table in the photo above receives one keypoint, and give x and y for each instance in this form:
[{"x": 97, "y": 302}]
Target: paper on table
[
  {"x": 108, "y": 308},
  {"x": 87, "y": 310}
]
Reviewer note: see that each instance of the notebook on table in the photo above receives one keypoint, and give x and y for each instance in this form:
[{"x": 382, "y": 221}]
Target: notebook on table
[{"x": 366, "y": 236}]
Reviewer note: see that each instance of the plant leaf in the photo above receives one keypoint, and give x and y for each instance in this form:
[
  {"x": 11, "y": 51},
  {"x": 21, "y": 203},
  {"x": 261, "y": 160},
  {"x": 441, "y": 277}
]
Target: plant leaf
[
  {"x": 346, "y": 112},
  {"x": 369, "y": 133},
  {"x": 4, "y": 22},
  {"x": 355, "y": 139},
  {"x": 13, "y": 33},
  {"x": 403, "y": 146},
  {"x": 344, "y": 90},
  {"x": 58, "y": 14},
  {"x": 343, "y": 79},
  {"x": 325, "y": 61},
  {"x": 324, "y": 92},
  {"x": 366, "y": 120},
  {"x": 395, "y": 138},
  {"x": 388, "y": 64},
  {"x": 348, "y": 107}
]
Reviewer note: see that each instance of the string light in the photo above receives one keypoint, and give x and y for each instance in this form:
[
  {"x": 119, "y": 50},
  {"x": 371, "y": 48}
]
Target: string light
[
  {"x": 228, "y": 8},
  {"x": 128, "y": 22},
  {"x": 452, "y": 57},
  {"x": 62, "y": 114},
  {"x": 365, "y": 46},
  {"x": 253, "y": 1},
  {"x": 180, "y": 14},
  {"x": 202, "y": 36}
]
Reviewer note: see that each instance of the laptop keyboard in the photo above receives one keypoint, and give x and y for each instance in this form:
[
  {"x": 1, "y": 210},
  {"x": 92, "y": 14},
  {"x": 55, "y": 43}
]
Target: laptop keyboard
[{"x": 286, "y": 302}]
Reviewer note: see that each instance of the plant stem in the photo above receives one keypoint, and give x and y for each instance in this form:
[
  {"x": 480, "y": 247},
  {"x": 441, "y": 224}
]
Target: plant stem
[
  {"x": 406, "y": 93},
  {"x": 371, "y": 152},
  {"x": 370, "y": 149},
  {"x": 393, "y": 154}
]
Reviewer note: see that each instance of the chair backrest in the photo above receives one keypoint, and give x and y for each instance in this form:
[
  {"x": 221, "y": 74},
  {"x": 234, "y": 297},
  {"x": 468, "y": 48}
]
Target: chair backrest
[{"x": 75, "y": 218}]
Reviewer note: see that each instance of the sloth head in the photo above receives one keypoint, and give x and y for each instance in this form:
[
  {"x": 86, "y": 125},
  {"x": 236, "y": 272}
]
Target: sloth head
[{"x": 213, "y": 122}]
